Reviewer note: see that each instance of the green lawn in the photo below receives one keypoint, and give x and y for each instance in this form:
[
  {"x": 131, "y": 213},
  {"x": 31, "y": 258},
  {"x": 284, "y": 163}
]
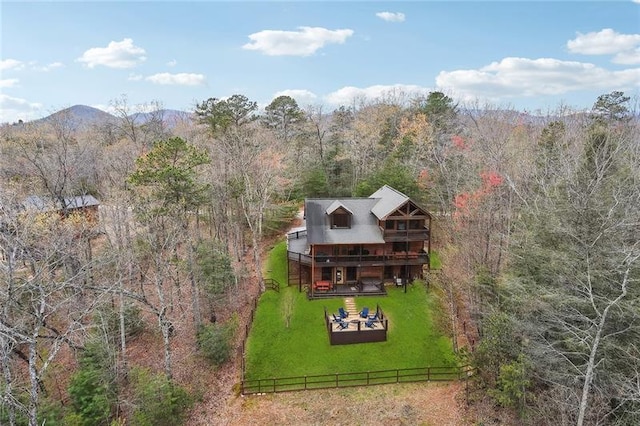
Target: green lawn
[
  {"x": 302, "y": 348},
  {"x": 434, "y": 260}
]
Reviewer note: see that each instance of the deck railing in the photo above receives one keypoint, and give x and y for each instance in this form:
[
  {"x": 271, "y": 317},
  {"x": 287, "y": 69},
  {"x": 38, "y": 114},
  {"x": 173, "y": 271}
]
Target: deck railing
[
  {"x": 360, "y": 258},
  {"x": 406, "y": 234},
  {"x": 295, "y": 235},
  {"x": 270, "y": 283},
  {"x": 357, "y": 331}
]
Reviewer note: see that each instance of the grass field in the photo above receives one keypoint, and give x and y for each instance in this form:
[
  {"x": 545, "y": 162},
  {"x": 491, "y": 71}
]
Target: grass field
[{"x": 288, "y": 336}]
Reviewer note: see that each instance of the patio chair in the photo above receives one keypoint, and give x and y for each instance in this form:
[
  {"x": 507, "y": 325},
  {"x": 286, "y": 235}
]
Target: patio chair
[
  {"x": 370, "y": 324},
  {"x": 342, "y": 325},
  {"x": 364, "y": 313},
  {"x": 343, "y": 313},
  {"x": 336, "y": 318},
  {"x": 374, "y": 317}
]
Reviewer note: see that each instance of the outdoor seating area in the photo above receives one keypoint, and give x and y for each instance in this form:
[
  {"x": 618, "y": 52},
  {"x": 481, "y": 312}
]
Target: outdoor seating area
[
  {"x": 322, "y": 285},
  {"x": 360, "y": 327}
]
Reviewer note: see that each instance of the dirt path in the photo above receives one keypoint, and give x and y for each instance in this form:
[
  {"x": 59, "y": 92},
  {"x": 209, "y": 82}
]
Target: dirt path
[{"x": 398, "y": 404}]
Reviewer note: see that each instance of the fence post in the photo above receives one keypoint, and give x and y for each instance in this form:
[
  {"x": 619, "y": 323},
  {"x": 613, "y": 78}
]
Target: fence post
[
  {"x": 337, "y": 379},
  {"x": 428, "y": 374}
]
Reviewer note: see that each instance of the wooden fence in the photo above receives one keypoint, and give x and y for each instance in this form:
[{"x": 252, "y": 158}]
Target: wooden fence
[
  {"x": 245, "y": 335},
  {"x": 270, "y": 283},
  {"x": 344, "y": 380},
  {"x": 365, "y": 378}
]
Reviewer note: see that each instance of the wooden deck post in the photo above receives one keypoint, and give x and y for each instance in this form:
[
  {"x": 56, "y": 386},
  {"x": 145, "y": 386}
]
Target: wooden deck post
[
  {"x": 299, "y": 272},
  {"x": 430, "y": 233},
  {"x": 313, "y": 268}
]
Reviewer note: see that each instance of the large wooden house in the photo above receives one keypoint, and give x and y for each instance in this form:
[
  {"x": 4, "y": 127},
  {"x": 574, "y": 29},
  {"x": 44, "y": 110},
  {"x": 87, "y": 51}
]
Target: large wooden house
[{"x": 356, "y": 245}]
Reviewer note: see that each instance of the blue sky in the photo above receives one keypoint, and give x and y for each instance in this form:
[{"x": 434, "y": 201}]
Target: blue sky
[{"x": 532, "y": 56}]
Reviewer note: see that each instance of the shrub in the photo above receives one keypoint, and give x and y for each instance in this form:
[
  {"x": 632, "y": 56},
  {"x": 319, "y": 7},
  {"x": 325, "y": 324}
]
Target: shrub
[
  {"x": 92, "y": 387},
  {"x": 512, "y": 384},
  {"x": 213, "y": 268},
  {"x": 158, "y": 401},
  {"x": 214, "y": 341},
  {"x": 133, "y": 322}
]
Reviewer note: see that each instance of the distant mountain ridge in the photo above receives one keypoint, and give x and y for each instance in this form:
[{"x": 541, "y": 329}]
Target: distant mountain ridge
[
  {"x": 79, "y": 116},
  {"x": 83, "y": 116}
]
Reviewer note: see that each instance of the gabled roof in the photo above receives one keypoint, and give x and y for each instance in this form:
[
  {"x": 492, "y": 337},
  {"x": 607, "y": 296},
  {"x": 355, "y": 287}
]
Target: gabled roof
[
  {"x": 365, "y": 214},
  {"x": 364, "y": 226},
  {"x": 337, "y": 204},
  {"x": 389, "y": 201}
]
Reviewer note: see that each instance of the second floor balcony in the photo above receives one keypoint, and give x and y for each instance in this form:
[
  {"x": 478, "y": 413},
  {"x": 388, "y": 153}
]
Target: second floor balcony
[
  {"x": 392, "y": 235},
  {"x": 377, "y": 258}
]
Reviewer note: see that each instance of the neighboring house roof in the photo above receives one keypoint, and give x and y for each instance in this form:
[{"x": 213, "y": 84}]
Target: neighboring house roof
[
  {"x": 390, "y": 200},
  {"x": 364, "y": 226},
  {"x": 47, "y": 204},
  {"x": 37, "y": 203},
  {"x": 81, "y": 201}
]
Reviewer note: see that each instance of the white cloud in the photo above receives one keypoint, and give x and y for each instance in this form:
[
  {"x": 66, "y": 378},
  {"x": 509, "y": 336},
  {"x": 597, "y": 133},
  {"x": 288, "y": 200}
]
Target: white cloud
[
  {"x": 180, "y": 79},
  {"x": 117, "y": 54},
  {"x": 391, "y": 16},
  {"x": 14, "y": 109},
  {"x": 304, "y": 42},
  {"x": 607, "y": 42},
  {"x": 172, "y": 63},
  {"x": 48, "y": 67},
  {"x": 629, "y": 57},
  {"x": 7, "y": 64},
  {"x": 302, "y": 96},
  {"x": 533, "y": 77},
  {"x": 135, "y": 77},
  {"x": 9, "y": 82},
  {"x": 347, "y": 95},
  {"x": 53, "y": 65}
]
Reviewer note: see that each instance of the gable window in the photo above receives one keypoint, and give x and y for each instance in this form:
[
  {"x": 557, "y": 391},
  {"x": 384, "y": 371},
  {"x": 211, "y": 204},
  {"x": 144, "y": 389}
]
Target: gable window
[{"x": 340, "y": 220}]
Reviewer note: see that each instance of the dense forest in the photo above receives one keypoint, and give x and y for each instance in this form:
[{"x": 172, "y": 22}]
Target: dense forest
[{"x": 108, "y": 320}]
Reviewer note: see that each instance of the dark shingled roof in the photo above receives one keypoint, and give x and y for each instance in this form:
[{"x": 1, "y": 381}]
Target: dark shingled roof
[
  {"x": 364, "y": 225},
  {"x": 364, "y": 220}
]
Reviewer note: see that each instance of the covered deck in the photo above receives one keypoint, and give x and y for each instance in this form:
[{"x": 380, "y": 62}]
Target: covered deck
[{"x": 364, "y": 287}]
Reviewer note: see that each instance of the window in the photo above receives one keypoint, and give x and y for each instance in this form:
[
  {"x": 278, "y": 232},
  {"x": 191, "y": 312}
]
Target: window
[
  {"x": 340, "y": 220},
  {"x": 400, "y": 246},
  {"x": 414, "y": 224},
  {"x": 327, "y": 274},
  {"x": 402, "y": 225},
  {"x": 389, "y": 224}
]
